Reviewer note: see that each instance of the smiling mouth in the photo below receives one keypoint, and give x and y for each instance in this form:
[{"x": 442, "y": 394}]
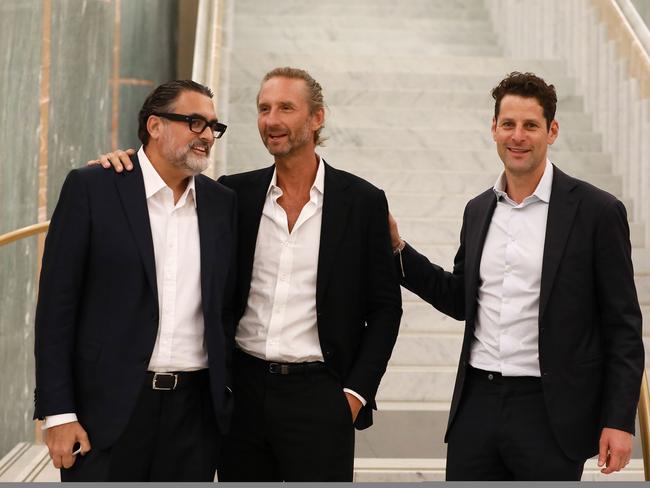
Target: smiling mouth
[
  {"x": 518, "y": 150},
  {"x": 201, "y": 149},
  {"x": 275, "y": 137}
]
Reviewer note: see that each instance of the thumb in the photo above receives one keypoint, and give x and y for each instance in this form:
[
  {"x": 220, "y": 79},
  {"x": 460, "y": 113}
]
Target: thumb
[
  {"x": 602, "y": 451},
  {"x": 84, "y": 442}
]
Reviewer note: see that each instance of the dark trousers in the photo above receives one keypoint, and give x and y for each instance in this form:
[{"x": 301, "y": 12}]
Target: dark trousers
[
  {"x": 293, "y": 427},
  {"x": 171, "y": 436},
  {"x": 501, "y": 432}
]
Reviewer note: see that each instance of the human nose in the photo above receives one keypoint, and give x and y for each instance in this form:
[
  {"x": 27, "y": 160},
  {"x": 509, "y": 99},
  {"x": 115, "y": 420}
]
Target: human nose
[
  {"x": 518, "y": 133},
  {"x": 207, "y": 134}
]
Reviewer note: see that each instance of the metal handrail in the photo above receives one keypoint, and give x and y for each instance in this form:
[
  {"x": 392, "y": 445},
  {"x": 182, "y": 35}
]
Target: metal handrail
[
  {"x": 30, "y": 230},
  {"x": 644, "y": 425}
]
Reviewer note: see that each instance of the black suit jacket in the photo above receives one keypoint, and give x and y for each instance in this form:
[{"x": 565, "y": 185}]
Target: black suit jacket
[
  {"x": 358, "y": 300},
  {"x": 590, "y": 344},
  {"x": 97, "y": 312}
]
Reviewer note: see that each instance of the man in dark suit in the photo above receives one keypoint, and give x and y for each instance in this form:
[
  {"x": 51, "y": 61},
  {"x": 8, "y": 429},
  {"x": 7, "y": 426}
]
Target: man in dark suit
[
  {"x": 133, "y": 348},
  {"x": 317, "y": 302},
  {"x": 552, "y": 357}
]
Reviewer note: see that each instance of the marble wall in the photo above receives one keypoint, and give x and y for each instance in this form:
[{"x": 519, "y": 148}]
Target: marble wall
[{"x": 73, "y": 75}]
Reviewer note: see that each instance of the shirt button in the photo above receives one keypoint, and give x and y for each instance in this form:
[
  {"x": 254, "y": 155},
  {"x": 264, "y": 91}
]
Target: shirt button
[{"x": 490, "y": 376}]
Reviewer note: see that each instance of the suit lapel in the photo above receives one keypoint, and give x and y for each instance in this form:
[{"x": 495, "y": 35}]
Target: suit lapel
[
  {"x": 130, "y": 187},
  {"x": 251, "y": 200},
  {"x": 561, "y": 213},
  {"x": 208, "y": 221},
  {"x": 477, "y": 226},
  {"x": 334, "y": 219}
]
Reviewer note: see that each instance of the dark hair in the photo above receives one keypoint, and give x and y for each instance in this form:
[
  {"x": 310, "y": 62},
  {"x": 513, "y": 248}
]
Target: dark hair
[
  {"x": 314, "y": 91},
  {"x": 527, "y": 85},
  {"x": 161, "y": 100}
]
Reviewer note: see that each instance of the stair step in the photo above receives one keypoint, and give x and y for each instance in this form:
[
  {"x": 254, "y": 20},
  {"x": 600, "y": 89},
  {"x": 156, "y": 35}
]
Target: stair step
[
  {"x": 403, "y": 99},
  {"x": 446, "y": 231},
  {"x": 421, "y": 317},
  {"x": 381, "y": 470},
  {"x": 385, "y": 47},
  {"x": 370, "y": 33},
  {"x": 257, "y": 63},
  {"x": 417, "y": 384},
  {"x": 445, "y": 22},
  {"x": 388, "y": 118},
  {"x": 254, "y": 155}
]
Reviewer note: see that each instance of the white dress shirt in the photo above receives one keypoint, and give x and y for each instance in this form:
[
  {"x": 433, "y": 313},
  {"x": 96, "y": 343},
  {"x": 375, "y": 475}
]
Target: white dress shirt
[
  {"x": 180, "y": 344},
  {"x": 279, "y": 323},
  {"x": 507, "y": 319}
]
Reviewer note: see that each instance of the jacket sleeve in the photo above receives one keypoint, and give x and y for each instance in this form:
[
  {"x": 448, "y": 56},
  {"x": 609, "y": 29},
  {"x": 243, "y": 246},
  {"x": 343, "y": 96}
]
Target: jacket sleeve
[
  {"x": 383, "y": 307},
  {"x": 620, "y": 318},
  {"x": 60, "y": 290},
  {"x": 442, "y": 289}
]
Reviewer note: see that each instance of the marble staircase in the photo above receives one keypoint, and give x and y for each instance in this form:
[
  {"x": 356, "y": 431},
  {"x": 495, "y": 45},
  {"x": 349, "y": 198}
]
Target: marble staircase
[{"x": 407, "y": 86}]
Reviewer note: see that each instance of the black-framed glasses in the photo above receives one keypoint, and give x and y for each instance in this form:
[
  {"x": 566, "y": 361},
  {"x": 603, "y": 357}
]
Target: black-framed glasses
[{"x": 196, "y": 123}]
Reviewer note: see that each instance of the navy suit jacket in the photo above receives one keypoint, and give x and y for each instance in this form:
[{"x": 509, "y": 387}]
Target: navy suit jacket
[
  {"x": 590, "y": 345},
  {"x": 97, "y": 313},
  {"x": 358, "y": 301}
]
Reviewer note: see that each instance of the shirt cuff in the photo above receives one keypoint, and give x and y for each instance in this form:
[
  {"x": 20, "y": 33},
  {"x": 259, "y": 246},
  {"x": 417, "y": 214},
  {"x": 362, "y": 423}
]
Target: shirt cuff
[
  {"x": 54, "y": 420},
  {"x": 356, "y": 395},
  {"x": 400, "y": 247}
]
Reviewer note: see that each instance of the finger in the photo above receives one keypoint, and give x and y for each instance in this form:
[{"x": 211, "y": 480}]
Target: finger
[
  {"x": 85, "y": 444},
  {"x": 56, "y": 460},
  {"x": 68, "y": 460},
  {"x": 602, "y": 452},
  {"x": 125, "y": 159},
  {"x": 115, "y": 161},
  {"x": 103, "y": 160},
  {"x": 614, "y": 463}
]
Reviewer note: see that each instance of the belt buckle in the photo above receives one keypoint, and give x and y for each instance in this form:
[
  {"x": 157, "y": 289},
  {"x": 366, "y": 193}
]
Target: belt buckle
[
  {"x": 279, "y": 368},
  {"x": 156, "y": 376}
]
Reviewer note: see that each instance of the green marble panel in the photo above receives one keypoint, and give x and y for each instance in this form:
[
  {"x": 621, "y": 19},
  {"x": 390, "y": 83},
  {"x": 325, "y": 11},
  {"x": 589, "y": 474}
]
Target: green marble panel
[
  {"x": 20, "y": 60},
  {"x": 79, "y": 123},
  {"x": 80, "y": 92},
  {"x": 131, "y": 99},
  {"x": 149, "y": 31}
]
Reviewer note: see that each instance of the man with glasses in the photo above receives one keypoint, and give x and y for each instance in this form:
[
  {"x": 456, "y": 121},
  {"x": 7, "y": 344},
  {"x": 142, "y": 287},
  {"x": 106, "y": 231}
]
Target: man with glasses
[
  {"x": 317, "y": 302},
  {"x": 133, "y": 332}
]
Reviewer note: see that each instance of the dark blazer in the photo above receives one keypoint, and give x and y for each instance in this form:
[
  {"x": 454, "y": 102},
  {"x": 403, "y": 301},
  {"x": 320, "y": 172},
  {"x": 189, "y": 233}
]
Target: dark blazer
[
  {"x": 358, "y": 301},
  {"x": 97, "y": 312},
  {"x": 590, "y": 344}
]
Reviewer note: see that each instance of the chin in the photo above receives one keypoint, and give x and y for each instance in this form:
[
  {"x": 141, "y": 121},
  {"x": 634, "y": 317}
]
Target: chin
[{"x": 197, "y": 165}]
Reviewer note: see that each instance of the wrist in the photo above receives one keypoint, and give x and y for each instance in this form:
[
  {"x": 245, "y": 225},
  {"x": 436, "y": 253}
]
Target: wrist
[{"x": 398, "y": 246}]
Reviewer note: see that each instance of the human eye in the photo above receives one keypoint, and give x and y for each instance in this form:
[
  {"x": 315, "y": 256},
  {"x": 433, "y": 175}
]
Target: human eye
[{"x": 197, "y": 124}]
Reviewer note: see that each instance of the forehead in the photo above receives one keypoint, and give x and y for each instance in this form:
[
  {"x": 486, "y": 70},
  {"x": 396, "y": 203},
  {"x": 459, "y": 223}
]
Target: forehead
[
  {"x": 191, "y": 102},
  {"x": 516, "y": 106},
  {"x": 280, "y": 89}
]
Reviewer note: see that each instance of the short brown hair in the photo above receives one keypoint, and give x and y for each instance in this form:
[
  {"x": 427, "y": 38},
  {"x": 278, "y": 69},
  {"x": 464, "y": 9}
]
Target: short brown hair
[
  {"x": 161, "y": 100},
  {"x": 314, "y": 91},
  {"x": 527, "y": 85}
]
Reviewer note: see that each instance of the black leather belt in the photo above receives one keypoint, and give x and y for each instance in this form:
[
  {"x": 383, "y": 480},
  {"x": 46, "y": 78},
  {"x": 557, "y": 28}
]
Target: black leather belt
[
  {"x": 296, "y": 368},
  {"x": 175, "y": 380},
  {"x": 281, "y": 369}
]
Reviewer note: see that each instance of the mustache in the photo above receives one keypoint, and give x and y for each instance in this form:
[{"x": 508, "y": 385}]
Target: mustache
[{"x": 201, "y": 145}]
